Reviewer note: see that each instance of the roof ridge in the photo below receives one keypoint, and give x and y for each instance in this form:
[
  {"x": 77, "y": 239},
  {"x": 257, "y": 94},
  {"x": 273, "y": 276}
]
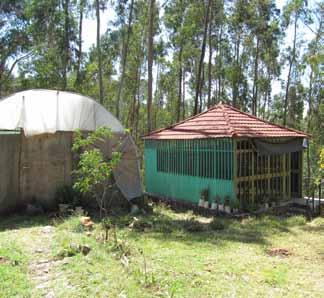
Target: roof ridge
[
  {"x": 228, "y": 121},
  {"x": 221, "y": 119},
  {"x": 180, "y": 122},
  {"x": 265, "y": 121}
]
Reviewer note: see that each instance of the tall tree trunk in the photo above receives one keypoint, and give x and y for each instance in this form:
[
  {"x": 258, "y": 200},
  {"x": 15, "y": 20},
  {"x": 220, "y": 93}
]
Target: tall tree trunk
[
  {"x": 78, "y": 75},
  {"x": 133, "y": 111},
  {"x": 178, "y": 107},
  {"x": 150, "y": 64},
  {"x": 66, "y": 44},
  {"x": 235, "y": 91},
  {"x": 201, "y": 61},
  {"x": 220, "y": 64},
  {"x": 210, "y": 60},
  {"x": 124, "y": 57},
  {"x": 138, "y": 105},
  {"x": 201, "y": 87},
  {"x": 156, "y": 94},
  {"x": 99, "y": 53},
  {"x": 255, "y": 80},
  {"x": 184, "y": 93},
  {"x": 291, "y": 62}
]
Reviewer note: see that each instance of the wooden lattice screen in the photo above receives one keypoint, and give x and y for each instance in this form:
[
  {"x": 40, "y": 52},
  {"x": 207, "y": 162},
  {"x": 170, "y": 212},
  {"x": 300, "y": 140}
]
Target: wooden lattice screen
[{"x": 266, "y": 177}]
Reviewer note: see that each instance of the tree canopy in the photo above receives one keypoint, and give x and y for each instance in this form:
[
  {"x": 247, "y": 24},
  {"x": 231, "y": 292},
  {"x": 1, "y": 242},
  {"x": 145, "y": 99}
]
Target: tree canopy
[{"x": 159, "y": 62}]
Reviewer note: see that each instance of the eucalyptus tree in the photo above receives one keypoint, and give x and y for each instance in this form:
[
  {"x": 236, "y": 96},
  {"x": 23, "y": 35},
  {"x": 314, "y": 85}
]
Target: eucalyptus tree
[
  {"x": 199, "y": 82},
  {"x": 82, "y": 7},
  {"x": 15, "y": 43},
  {"x": 150, "y": 38},
  {"x": 125, "y": 49},
  {"x": 174, "y": 16},
  {"x": 52, "y": 28},
  {"x": 295, "y": 12},
  {"x": 99, "y": 6}
]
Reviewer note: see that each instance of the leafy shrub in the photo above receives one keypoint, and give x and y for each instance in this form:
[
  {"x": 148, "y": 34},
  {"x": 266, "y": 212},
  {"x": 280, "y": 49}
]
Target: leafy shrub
[{"x": 93, "y": 175}]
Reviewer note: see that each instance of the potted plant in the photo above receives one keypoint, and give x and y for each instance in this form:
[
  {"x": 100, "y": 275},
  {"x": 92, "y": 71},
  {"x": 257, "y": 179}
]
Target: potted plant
[
  {"x": 227, "y": 207},
  {"x": 220, "y": 206},
  {"x": 214, "y": 204},
  {"x": 266, "y": 203},
  {"x": 203, "y": 201},
  {"x": 235, "y": 206}
]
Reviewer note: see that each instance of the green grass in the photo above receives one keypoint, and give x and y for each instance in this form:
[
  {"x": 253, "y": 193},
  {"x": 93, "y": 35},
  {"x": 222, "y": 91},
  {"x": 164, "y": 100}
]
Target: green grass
[
  {"x": 170, "y": 254},
  {"x": 13, "y": 269}
]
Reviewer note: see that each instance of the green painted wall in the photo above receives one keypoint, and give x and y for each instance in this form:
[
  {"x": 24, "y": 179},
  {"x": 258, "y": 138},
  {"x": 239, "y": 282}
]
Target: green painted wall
[{"x": 188, "y": 187}]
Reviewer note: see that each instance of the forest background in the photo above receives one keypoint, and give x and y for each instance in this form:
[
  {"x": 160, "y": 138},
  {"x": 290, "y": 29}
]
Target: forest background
[{"x": 154, "y": 63}]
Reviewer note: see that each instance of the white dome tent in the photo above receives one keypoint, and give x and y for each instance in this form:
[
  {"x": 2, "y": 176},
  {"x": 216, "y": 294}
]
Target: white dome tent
[{"x": 36, "y": 129}]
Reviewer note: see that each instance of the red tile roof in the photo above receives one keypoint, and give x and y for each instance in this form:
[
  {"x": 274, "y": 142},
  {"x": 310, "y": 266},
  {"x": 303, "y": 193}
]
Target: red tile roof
[{"x": 224, "y": 121}]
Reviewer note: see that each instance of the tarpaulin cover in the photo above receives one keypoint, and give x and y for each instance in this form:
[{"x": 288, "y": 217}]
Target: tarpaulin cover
[
  {"x": 49, "y": 111},
  {"x": 268, "y": 148}
]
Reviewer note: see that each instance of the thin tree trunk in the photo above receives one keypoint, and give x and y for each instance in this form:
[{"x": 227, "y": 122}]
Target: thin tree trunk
[
  {"x": 78, "y": 76},
  {"x": 150, "y": 65},
  {"x": 255, "y": 81},
  {"x": 66, "y": 44},
  {"x": 220, "y": 65},
  {"x": 99, "y": 53},
  {"x": 210, "y": 60},
  {"x": 179, "y": 85},
  {"x": 310, "y": 113},
  {"x": 133, "y": 112},
  {"x": 156, "y": 94},
  {"x": 201, "y": 87},
  {"x": 138, "y": 105},
  {"x": 237, "y": 64},
  {"x": 291, "y": 62},
  {"x": 124, "y": 57},
  {"x": 201, "y": 61},
  {"x": 184, "y": 93}
]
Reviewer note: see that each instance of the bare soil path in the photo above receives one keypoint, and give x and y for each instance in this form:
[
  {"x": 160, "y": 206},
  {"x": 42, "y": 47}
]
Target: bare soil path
[{"x": 42, "y": 265}]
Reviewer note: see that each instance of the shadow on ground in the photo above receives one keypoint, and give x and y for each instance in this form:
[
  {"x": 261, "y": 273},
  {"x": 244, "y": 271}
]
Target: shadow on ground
[
  {"x": 191, "y": 229},
  {"x": 18, "y": 221},
  {"x": 164, "y": 224}
]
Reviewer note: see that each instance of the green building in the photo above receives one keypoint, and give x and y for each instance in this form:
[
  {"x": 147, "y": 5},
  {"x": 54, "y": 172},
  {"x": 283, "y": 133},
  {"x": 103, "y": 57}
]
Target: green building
[{"x": 235, "y": 155}]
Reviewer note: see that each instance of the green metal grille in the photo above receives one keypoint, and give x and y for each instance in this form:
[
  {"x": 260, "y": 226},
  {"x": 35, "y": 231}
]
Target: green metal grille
[
  {"x": 202, "y": 158},
  {"x": 181, "y": 169}
]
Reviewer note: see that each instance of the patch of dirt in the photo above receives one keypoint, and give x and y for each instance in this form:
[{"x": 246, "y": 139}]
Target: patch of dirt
[
  {"x": 42, "y": 265},
  {"x": 281, "y": 252},
  {"x": 4, "y": 260}
]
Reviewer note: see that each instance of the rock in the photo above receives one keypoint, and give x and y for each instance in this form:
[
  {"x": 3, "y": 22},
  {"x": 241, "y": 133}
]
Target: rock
[
  {"x": 85, "y": 249},
  {"x": 64, "y": 208},
  {"x": 50, "y": 295},
  {"x": 79, "y": 210},
  {"x": 282, "y": 252},
  {"x": 47, "y": 229},
  {"x": 86, "y": 222},
  {"x": 134, "y": 209}
]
